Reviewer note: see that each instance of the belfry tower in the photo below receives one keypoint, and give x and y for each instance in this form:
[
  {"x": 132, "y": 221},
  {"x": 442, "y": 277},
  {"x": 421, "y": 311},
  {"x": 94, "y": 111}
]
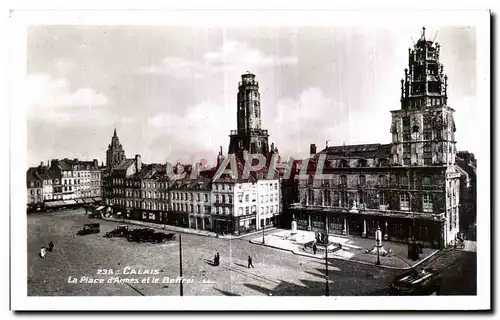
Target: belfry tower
[
  {"x": 115, "y": 153},
  {"x": 423, "y": 130},
  {"x": 249, "y": 136}
]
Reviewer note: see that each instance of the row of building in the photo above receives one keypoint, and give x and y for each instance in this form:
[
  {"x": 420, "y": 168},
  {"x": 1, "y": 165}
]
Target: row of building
[
  {"x": 61, "y": 183},
  {"x": 415, "y": 188}
]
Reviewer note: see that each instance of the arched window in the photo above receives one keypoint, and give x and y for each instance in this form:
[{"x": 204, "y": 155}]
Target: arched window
[
  {"x": 404, "y": 201},
  {"x": 382, "y": 180},
  {"x": 327, "y": 199},
  {"x": 310, "y": 197},
  {"x": 427, "y": 203},
  {"x": 343, "y": 180}
]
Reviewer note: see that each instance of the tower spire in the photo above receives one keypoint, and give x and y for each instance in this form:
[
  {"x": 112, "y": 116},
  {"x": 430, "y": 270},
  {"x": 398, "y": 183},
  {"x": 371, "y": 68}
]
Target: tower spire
[
  {"x": 423, "y": 33},
  {"x": 114, "y": 133}
]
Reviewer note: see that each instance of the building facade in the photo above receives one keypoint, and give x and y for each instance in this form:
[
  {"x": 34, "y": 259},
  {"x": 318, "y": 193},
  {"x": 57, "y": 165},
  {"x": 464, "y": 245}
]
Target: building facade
[
  {"x": 34, "y": 189},
  {"x": 410, "y": 188}
]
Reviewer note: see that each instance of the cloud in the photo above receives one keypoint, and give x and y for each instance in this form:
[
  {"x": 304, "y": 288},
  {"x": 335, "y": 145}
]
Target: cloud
[
  {"x": 232, "y": 55},
  {"x": 314, "y": 117},
  {"x": 198, "y": 133},
  {"x": 52, "y": 99}
]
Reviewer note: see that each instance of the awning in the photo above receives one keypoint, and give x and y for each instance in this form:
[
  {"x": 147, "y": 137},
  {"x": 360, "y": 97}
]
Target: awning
[
  {"x": 79, "y": 201},
  {"x": 51, "y": 204},
  {"x": 69, "y": 202},
  {"x": 100, "y": 208},
  {"x": 88, "y": 200},
  {"x": 97, "y": 199}
]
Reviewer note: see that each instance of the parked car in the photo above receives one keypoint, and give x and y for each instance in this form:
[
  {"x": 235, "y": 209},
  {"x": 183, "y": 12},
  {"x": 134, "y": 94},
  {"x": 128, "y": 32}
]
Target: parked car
[
  {"x": 425, "y": 281},
  {"x": 120, "y": 231},
  {"x": 89, "y": 229}
]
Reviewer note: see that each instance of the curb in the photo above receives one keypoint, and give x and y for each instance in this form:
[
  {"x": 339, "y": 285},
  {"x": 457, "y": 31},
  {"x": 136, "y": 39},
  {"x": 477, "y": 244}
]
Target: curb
[{"x": 343, "y": 259}]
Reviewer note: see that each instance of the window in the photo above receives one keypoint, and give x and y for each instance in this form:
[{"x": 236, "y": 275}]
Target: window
[
  {"x": 343, "y": 180},
  {"x": 198, "y": 197},
  {"x": 427, "y": 203},
  {"x": 247, "y": 199},
  {"x": 404, "y": 201},
  {"x": 206, "y": 197},
  {"x": 230, "y": 199},
  {"x": 403, "y": 180},
  {"x": 247, "y": 210},
  {"x": 381, "y": 200},
  {"x": 261, "y": 198},
  {"x": 327, "y": 199},
  {"x": 426, "y": 181},
  {"x": 310, "y": 197},
  {"x": 223, "y": 199},
  {"x": 276, "y": 186},
  {"x": 382, "y": 180},
  {"x": 362, "y": 180}
]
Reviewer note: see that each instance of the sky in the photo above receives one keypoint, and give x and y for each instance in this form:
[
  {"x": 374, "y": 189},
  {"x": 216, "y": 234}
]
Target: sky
[{"x": 170, "y": 92}]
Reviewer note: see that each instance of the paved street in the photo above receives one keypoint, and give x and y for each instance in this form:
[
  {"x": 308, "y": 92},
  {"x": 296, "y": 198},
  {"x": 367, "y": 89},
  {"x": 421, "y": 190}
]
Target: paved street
[{"x": 276, "y": 272}]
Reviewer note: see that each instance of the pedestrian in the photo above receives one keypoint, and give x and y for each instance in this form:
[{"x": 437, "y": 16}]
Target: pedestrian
[
  {"x": 43, "y": 252},
  {"x": 315, "y": 249},
  {"x": 250, "y": 264},
  {"x": 51, "y": 246}
]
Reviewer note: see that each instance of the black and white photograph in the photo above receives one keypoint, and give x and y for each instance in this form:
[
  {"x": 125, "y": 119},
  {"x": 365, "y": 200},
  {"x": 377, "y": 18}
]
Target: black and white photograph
[{"x": 184, "y": 158}]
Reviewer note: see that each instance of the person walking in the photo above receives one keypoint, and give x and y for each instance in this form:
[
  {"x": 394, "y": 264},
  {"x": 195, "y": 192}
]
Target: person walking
[
  {"x": 250, "y": 264},
  {"x": 315, "y": 248}
]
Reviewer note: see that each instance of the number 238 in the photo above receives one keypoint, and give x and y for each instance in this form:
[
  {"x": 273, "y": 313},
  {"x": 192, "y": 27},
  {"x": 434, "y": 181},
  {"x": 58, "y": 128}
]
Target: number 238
[{"x": 104, "y": 271}]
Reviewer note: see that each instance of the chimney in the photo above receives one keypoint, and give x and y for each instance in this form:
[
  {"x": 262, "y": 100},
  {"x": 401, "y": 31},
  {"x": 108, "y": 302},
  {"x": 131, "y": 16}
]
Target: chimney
[
  {"x": 138, "y": 162},
  {"x": 312, "y": 149}
]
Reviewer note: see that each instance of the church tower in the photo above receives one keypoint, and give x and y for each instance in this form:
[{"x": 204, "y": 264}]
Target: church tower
[
  {"x": 115, "y": 153},
  {"x": 423, "y": 130},
  {"x": 249, "y": 136}
]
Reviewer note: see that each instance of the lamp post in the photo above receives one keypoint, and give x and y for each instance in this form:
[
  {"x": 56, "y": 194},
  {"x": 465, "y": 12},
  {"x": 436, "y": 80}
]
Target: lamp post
[
  {"x": 263, "y": 236},
  {"x": 180, "y": 263},
  {"x": 327, "y": 289},
  {"x": 378, "y": 240}
]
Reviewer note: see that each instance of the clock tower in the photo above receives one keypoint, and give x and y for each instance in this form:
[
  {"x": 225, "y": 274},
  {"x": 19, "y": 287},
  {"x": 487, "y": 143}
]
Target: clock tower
[
  {"x": 249, "y": 136},
  {"x": 423, "y": 130}
]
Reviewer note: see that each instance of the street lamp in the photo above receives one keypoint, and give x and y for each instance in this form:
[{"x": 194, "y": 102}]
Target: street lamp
[
  {"x": 263, "y": 227},
  {"x": 327, "y": 289},
  {"x": 378, "y": 240},
  {"x": 180, "y": 263}
]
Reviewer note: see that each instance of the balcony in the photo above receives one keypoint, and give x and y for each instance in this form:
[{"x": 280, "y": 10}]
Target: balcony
[{"x": 376, "y": 212}]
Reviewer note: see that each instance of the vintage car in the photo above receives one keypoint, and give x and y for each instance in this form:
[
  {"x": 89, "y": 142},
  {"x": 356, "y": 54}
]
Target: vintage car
[
  {"x": 424, "y": 281},
  {"x": 140, "y": 234},
  {"x": 120, "y": 231},
  {"x": 149, "y": 235},
  {"x": 89, "y": 229}
]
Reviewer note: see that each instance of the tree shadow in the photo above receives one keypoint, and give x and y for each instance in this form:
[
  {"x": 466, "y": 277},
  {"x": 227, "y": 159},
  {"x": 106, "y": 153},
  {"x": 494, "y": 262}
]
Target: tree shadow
[{"x": 227, "y": 293}]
